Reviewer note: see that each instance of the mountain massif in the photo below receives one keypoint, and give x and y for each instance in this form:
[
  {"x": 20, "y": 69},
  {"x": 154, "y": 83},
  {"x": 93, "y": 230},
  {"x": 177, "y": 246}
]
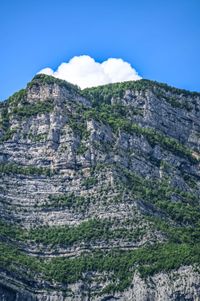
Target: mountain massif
[{"x": 99, "y": 193}]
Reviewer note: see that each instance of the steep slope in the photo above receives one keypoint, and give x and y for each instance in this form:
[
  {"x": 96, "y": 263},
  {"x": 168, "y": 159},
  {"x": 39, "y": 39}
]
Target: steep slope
[{"x": 99, "y": 192}]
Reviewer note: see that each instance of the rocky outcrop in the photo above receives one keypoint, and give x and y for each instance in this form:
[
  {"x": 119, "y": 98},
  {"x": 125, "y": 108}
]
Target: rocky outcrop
[
  {"x": 178, "y": 285},
  {"x": 99, "y": 192}
]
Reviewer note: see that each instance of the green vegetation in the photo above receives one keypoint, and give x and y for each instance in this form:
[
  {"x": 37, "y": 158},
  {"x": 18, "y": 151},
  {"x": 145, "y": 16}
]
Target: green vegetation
[
  {"x": 183, "y": 104},
  {"x": 13, "y": 168},
  {"x": 154, "y": 191},
  {"x": 87, "y": 232},
  {"x": 28, "y": 110},
  {"x": 179, "y": 220},
  {"x": 104, "y": 94},
  {"x": 82, "y": 149},
  {"x": 90, "y": 231},
  {"x": 115, "y": 116},
  {"x": 12, "y": 259},
  {"x": 10, "y": 231},
  {"x": 182, "y": 247},
  {"x": 36, "y": 138},
  {"x": 8, "y": 135},
  {"x": 69, "y": 201},
  {"x": 50, "y": 80},
  {"x": 4, "y": 122},
  {"x": 17, "y": 97},
  {"x": 78, "y": 126},
  {"x": 148, "y": 260},
  {"x": 119, "y": 117},
  {"x": 90, "y": 182},
  {"x": 120, "y": 265},
  {"x": 180, "y": 212},
  {"x": 4, "y": 125},
  {"x": 177, "y": 234}
]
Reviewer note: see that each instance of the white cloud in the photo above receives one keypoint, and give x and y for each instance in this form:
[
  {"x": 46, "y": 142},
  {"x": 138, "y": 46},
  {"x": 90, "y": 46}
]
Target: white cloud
[{"x": 85, "y": 72}]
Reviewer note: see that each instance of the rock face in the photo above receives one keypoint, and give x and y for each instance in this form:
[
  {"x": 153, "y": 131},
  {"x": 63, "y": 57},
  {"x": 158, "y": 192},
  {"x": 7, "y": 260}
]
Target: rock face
[{"x": 99, "y": 193}]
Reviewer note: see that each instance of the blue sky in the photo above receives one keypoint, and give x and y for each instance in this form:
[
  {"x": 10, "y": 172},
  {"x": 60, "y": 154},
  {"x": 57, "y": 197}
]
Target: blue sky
[{"x": 160, "y": 39}]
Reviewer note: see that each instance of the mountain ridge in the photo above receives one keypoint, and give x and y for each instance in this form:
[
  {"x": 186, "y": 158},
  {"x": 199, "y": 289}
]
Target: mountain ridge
[{"x": 41, "y": 77}]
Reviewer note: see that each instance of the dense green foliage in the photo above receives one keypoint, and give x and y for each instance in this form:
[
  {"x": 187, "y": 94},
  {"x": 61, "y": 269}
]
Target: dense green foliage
[
  {"x": 13, "y": 168},
  {"x": 81, "y": 149},
  {"x": 10, "y": 231},
  {"x": 69, "y": 201},
  {"x": 28, "y": 110},
  {"x": 90, "y": 231},
  {"x": 90, "y": 182},
  {"x": 4, "y": 124},
  {"x": 14, "y": 260},
  {"x": 120, "y": 265},
  {"x": 104, "y": 94},
  {"x": 18, "y": 97}
]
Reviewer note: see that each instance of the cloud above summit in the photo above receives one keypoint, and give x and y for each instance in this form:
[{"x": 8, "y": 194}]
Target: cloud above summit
[{"x": 85, "y": 72}]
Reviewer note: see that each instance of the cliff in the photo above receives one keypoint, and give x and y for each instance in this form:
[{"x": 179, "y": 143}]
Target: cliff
[{"x": 99, "y": 192}]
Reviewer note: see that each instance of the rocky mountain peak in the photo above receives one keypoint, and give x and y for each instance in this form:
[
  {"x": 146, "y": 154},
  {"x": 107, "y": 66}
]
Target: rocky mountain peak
[{"x": 44, "y": 87}]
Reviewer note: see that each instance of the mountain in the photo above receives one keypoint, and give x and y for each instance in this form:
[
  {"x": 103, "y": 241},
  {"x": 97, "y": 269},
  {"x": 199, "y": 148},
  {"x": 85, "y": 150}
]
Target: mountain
[{"x": 99, "y": 193}]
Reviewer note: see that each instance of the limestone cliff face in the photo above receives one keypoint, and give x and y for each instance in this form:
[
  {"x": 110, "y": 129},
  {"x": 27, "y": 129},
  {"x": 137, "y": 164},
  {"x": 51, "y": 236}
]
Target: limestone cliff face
[{"x": 99, "y": 192}]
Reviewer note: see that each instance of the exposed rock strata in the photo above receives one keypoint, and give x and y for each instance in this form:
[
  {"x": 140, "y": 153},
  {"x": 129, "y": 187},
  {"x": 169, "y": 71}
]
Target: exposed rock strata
[{"x": 52, "y": 127}]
